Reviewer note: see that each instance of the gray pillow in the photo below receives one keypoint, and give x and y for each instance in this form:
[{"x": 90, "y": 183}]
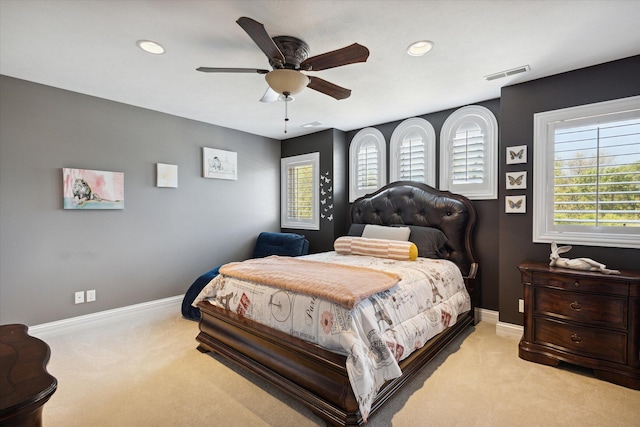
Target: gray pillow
[
  {"x": 430, "y": 241},
  {"x": 356, "y": 230}
]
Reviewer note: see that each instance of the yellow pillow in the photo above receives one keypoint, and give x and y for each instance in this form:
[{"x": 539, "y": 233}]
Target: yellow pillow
[{"x": 381, "y": 248}]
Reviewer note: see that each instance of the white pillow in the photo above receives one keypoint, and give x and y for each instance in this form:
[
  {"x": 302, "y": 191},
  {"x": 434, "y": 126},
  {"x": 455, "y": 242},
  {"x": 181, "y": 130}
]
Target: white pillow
[{"x": 372, "y": 231}]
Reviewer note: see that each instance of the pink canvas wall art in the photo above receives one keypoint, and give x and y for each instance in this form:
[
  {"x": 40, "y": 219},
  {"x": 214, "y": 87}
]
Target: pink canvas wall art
[{"x": 92, "y": 189}]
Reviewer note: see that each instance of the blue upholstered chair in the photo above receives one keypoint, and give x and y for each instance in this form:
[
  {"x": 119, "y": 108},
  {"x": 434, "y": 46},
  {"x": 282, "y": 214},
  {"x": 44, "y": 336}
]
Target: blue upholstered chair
[{"x": 284, "y": 244}]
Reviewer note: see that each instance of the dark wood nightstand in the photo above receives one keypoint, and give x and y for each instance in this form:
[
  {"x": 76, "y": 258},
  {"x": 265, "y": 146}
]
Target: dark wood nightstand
[
  {"x": 584, "y": 318},
  {"x": 25, "y": 384}
]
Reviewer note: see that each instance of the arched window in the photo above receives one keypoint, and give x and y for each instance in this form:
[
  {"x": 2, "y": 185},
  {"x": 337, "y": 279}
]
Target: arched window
[
  {"x": 367, "y": 163},
  {"x": 413, "y": 152},
  {"x": 469, "y": 153}
]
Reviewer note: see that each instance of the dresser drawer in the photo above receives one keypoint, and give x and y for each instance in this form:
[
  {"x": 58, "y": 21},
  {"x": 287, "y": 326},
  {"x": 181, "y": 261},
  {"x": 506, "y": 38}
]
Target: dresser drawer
[
  {"x": 583, "y": 341},
  {"x": 588, "y": 308},
  {"x": 606, "y": 285}
]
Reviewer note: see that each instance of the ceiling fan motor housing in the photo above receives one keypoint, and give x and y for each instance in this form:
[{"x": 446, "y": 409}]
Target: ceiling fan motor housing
[{"x": 295, "y": 51}]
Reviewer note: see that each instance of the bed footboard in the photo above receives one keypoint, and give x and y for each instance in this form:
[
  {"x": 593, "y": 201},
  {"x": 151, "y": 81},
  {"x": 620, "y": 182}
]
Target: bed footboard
[{"x": 312, "y": 375}]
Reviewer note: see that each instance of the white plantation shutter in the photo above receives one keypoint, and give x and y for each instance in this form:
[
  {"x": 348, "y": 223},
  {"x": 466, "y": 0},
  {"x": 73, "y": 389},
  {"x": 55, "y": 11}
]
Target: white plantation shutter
[
  {"x": 413, "y": 152},
  {"x": 597, "y": 175},
  {"x": 299, "y": 188},
  {"x": 411, "y": 159},
  {"x": 469, "y": 153},
  {"x": 367, "y": 164},
  {"x": 367, "y": 169},
  {"x": 587, "y": 174},
  {"x": 300, "y": 194}
]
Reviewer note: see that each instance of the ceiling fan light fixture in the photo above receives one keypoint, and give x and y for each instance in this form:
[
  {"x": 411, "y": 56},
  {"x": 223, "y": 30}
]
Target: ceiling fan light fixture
[
  {"x": 419, "y": 48},
  {"x": 150, "y": 47},
  {"x": 286, "y": 82}
]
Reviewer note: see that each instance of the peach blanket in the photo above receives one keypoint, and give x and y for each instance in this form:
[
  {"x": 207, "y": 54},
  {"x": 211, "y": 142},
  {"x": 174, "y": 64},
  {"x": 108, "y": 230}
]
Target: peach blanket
[{"x": 343, "y": 284}]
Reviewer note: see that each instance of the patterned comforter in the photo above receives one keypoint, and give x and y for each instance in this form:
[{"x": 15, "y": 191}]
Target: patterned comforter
[{"x": 376, "y": 334}]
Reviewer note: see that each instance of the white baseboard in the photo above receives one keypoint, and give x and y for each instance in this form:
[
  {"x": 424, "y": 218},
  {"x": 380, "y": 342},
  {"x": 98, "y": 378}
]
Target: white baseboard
[
  {"x": 509, "y": 330},
  {"x": 503, "y": 329},
  {"x": 490, "y": 316},
  {"x": 107, "y": 315}
]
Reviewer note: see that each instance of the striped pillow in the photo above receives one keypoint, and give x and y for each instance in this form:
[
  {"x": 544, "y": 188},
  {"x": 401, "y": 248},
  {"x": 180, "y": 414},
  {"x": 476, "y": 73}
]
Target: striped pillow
[{"x": 392, "y": 249}]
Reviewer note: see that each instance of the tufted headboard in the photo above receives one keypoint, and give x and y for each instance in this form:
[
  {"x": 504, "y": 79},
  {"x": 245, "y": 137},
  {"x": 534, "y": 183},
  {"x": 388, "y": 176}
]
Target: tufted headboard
[{"x": 413, "y": 203}]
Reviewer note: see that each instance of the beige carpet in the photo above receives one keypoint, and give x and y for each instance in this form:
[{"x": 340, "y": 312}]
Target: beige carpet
[{"x": 144, "y": 370}]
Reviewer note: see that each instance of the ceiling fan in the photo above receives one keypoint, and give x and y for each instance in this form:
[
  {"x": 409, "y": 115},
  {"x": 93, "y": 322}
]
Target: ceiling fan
[{"x": 288, "y": 56}]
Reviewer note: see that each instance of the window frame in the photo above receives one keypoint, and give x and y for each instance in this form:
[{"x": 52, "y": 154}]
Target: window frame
[
  {"x": 485, "y": 119},
  {"x": 544, "y": 231},
  {"x": 365, "y": 136},
  {"x": 312, "y": 159},
  {"x": 428, "y": 133}
]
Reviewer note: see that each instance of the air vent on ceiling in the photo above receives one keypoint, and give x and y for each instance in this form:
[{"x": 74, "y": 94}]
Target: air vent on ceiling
[
  {"x": 311, "y": 125},
  {"x": 507, "y": 73}
]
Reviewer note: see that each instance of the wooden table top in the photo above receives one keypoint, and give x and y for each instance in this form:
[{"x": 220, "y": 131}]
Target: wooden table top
[{"x": 24, "y": 380}]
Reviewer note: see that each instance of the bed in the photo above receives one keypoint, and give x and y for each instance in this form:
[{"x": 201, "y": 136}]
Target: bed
[{"x": 317, "y": 376}]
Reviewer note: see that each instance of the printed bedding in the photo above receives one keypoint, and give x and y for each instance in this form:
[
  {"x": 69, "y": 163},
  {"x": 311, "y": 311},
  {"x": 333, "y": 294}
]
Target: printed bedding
[{"x": 376, "y": 334}]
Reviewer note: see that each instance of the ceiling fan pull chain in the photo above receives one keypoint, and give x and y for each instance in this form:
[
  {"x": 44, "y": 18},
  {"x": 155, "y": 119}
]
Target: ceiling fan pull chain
[{"x": 286, "y": 110}]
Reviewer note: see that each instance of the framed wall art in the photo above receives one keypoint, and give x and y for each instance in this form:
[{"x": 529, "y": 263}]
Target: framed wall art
[
  {"x": 166, "y": 175},
  {"x": 516, "y": 154},
  {"x": 92, "y": 189},
  {"x": 516, "y": 180},
  {"x": 515, "y": 204},
  {"x": 219, "y": 164}
]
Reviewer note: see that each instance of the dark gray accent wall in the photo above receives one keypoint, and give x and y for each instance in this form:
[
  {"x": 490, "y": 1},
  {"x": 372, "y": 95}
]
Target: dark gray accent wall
[
  {"x": 160, "y": 242},
  {"x": 613, "y": 80},
  {"x": 486, "y": 230},
  {"x": 332, "y": 146}
]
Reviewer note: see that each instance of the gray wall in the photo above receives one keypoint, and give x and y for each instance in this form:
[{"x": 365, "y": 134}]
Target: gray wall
[
  {"x": 160, "y": 242},
  {"x": 613, "y": 80}
]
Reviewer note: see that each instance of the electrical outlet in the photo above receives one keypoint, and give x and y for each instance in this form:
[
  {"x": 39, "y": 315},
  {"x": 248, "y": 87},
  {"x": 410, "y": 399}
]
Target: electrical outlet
[
  {"x": 91, "y": 295},
  {"x": 520, "y": 305},
  {"x": 79, "y": 297}
]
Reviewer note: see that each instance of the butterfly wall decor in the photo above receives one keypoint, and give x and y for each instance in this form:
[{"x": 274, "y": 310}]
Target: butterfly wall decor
[
  {"x": 516, "y": 180},
  {"x": 515, "y": 204},
  {"x": 516, "y": 154}
]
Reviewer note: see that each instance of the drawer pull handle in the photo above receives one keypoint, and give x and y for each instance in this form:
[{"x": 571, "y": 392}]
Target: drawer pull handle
[
  {"x": 575, "y": 306},
  {"x": 577, "y": 283},
  {"x": 576, "y": 338}
]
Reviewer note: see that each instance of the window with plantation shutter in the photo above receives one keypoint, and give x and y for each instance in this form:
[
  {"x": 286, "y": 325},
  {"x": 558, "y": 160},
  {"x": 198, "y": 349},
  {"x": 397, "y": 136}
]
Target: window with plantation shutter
[
  {"x": 469, "y": 153},
  {"x": 367, "y": 165},
  {"x": 587, "y": 174},
  {"x": 299, "y": 192},
  {"x": 413, "y": 152}
]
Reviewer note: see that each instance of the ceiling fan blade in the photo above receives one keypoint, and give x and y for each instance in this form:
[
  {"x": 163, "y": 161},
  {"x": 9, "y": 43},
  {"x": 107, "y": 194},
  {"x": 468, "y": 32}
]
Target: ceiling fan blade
[
  {"x": 336, "y": 58},
  {"x": 270, "y": 96},
  {"x": 328, "y": 88},
  {"x": 260, "y": 37},
  {"x": 231, "y": 70}
]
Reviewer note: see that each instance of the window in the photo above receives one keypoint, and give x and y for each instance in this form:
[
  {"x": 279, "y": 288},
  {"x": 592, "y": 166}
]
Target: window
[
  {"x": 587, "y": 174},
  {"x": 413, "y": 152},
  {"x": 300, "y": 180},
  {"x": 469, "y": 153},
  {"x": 367, "y": 163}
]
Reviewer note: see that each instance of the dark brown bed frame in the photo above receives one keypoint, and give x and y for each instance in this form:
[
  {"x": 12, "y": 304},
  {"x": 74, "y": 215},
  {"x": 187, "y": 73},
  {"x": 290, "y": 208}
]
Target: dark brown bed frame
[{"x": 317, "y": 377}]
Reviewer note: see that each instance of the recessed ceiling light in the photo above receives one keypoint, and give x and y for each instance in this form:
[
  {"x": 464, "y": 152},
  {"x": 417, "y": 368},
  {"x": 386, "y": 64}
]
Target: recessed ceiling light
[
  {"x": 150, "y": 46},
  {"x": 419, "y": 48}
]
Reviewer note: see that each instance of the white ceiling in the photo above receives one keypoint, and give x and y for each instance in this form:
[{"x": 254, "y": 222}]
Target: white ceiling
[{"x": 90, "y": 47}]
